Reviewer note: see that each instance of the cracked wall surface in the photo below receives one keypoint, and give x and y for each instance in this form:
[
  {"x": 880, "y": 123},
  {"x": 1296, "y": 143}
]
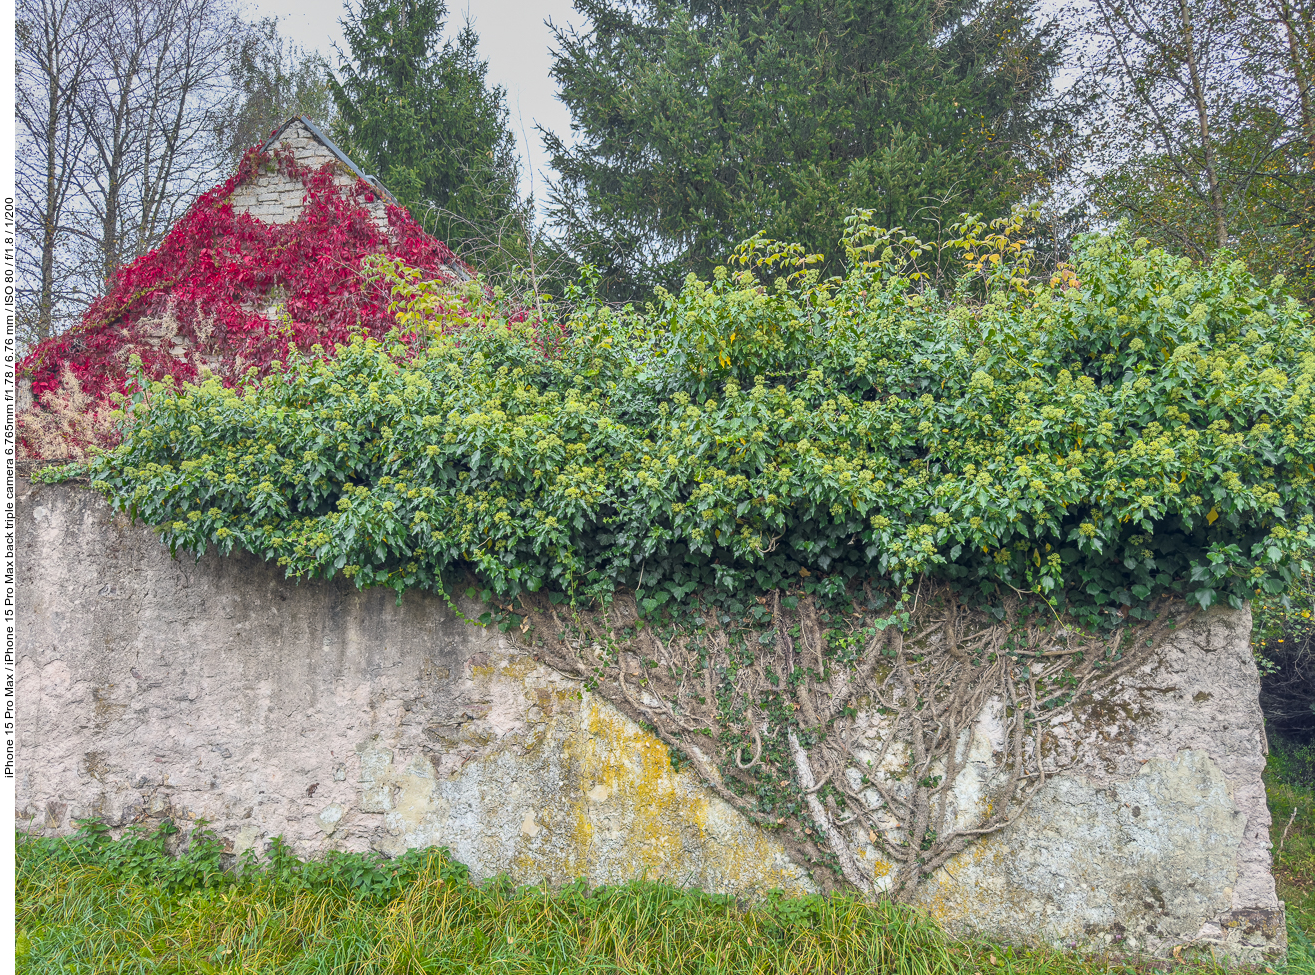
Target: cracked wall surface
[{"x": 338, "y": 719}]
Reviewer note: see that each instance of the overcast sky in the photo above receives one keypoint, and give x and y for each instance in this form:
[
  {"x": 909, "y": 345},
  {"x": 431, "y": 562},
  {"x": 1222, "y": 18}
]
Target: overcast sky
[{"x": 513, "y": 37}]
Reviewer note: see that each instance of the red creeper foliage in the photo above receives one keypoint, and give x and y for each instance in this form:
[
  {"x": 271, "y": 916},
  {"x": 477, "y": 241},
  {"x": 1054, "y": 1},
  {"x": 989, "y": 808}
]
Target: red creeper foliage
[{"x": 205, "y": 298}]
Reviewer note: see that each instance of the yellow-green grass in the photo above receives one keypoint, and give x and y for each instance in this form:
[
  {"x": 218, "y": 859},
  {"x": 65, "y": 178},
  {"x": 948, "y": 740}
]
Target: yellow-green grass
[
  {"x": 79, "y": 919},
  {"x": 93, "y": 907}
]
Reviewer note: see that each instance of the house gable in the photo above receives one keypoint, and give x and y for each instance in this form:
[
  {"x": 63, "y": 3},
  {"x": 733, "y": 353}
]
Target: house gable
[{"x": 277, "y": 197}]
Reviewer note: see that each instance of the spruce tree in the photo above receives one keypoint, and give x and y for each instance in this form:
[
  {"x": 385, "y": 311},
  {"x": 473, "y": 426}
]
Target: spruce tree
[
  {"x": 416, "y": 110},
  {"x": 698, "y": 123}
]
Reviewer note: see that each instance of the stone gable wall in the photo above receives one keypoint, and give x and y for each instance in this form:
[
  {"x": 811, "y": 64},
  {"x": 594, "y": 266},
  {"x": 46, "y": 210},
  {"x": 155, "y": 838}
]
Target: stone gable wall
[
  {"x": 275, "y": 198},
  {"x": 338, "y": 719}
]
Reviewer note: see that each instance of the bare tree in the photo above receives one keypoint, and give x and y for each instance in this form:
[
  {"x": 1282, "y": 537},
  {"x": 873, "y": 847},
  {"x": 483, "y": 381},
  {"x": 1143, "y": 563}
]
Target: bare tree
[
  {"x": 1281, "y": 208},
  {"x": 149, "y": 110},
  {"x": 1207, "y": 123},
  {"x": 57, "y": 49},
  {"x": 1296, "y": 35},
  {"x": 1168, "y": 70},
  {"x": 123, "y": 108}
]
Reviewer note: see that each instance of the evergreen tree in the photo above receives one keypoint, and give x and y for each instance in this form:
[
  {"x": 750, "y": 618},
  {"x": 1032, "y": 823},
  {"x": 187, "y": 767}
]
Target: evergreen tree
[
  {"x": 698, "y": 123},
  {"x": 416, "y": 111}
]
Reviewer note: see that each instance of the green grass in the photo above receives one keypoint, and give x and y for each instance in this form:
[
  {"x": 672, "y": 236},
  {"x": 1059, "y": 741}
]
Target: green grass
[
  {"x": 1290, "y": 785},
  {"x": 85, "y": 917},
  {"x": 87, "y": 905}
]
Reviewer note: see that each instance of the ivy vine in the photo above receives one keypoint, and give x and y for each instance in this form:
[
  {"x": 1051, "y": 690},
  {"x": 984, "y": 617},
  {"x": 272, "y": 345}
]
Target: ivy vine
[
  {"x": 1136, "y": 427},
  {"x": 809, "y": 531}
]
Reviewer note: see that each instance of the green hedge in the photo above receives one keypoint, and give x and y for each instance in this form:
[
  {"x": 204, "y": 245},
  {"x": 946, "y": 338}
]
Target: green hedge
[{"x": 1138, "y": 425}]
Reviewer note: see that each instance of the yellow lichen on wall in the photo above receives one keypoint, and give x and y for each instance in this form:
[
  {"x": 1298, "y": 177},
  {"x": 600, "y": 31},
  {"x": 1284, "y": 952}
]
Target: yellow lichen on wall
[
  {"x": 952, "y": 893},
  {"x": 634, "y": 803},
  {"x": 598, "y": 797},
  {"x": 628, "y": 813}
]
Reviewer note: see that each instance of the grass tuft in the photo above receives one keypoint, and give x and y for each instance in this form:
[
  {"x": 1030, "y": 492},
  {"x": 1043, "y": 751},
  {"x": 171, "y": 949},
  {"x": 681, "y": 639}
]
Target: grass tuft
[
  {"x": 90, "y": 905},
  {"x": 1290, "y": 785}
]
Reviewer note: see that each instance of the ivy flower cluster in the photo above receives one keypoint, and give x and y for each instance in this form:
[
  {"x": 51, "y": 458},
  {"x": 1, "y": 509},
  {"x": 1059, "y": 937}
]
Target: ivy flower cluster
[{"x": 1140, "y": 426}]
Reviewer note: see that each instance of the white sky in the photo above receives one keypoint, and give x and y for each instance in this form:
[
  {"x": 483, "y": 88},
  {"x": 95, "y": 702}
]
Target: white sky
[{"x": 513, "y": 37}]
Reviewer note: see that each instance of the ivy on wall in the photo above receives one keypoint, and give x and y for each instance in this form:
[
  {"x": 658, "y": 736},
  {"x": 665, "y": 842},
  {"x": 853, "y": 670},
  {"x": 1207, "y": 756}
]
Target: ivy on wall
[
  {"x": 1137, "y": 426},
  {"x": 808, "y": 531},
  {"x": 225, "y": 293}
]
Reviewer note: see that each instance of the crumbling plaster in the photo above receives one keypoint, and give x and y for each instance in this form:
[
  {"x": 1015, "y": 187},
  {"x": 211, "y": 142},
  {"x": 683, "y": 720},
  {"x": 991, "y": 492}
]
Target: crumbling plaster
[{"x": 338, "y": 719}]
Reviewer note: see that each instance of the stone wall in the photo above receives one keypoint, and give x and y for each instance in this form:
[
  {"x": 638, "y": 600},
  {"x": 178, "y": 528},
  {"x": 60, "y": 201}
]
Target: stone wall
[
  {"x": 342, "y": 720},
  {"x": 276, "y": 198}
]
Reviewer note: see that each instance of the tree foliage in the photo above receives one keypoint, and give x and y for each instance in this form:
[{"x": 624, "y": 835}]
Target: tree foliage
[
  {"x": 1208, "y": 138},
  {"x": 416, "y": 111},
  {"x": 273, "y": 80},
  {"x": 695, "y": 125}
]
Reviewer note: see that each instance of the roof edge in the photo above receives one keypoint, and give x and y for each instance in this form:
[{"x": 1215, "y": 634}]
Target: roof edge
[
  {"x": 328, "y": 143},
  {"x": 458, "y": 266}
]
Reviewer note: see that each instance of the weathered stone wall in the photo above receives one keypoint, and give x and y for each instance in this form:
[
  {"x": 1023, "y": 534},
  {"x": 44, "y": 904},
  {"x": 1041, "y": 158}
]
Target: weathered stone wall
[
  {"x": 276, "y": 198},
  {"x": 339, "y": 719}
]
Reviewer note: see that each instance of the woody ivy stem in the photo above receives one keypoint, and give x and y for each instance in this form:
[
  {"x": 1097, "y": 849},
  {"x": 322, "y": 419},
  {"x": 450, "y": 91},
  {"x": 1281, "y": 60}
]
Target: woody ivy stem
[{"x": 849, "y": 733}]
